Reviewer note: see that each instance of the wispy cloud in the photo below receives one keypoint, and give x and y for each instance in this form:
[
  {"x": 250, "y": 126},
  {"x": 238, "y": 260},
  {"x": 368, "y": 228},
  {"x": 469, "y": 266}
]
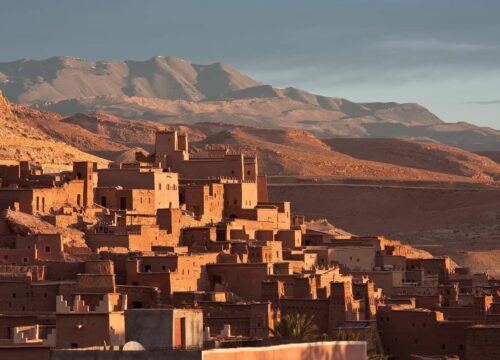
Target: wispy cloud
[
  {"x": 485, "y": 102},
  {"x": 434, "y": 45}
]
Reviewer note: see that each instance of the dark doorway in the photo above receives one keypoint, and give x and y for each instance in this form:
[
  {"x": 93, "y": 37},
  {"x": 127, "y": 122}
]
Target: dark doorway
[{"x": 123, "y": 203}]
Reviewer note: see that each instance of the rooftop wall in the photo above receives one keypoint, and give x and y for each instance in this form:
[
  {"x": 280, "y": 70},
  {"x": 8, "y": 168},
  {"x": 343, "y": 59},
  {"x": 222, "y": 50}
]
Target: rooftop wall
[{"x": 338, "y": 350}]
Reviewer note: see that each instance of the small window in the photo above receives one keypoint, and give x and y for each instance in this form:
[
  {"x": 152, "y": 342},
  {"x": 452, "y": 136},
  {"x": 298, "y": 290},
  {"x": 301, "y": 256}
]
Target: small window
[
  {"x": 47, "y": 249},
  {"x": 14, "y": 295}
]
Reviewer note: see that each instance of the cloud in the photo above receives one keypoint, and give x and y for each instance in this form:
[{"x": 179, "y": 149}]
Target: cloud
[
  {"x": 484, "y": 102},
  {"x": 434, "y": 45}
]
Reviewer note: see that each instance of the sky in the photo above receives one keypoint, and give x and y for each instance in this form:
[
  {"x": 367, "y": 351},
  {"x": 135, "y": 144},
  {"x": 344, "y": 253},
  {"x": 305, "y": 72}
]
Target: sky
[{"x": 442, "y": 54}]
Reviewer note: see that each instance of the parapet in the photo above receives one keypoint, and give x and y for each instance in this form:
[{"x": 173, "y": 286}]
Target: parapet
[{"x": 111, "y": 302}]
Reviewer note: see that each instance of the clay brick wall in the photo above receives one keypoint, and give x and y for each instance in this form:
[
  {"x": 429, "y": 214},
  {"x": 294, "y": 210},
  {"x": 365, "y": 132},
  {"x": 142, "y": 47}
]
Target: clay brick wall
[
  {"x": 406, "y": 332},
  {"x": 289, "y": 238},
  {"x": 482, "y": 342},
  {"x": 246, "y": 319},
  {"x": 317, "y": 309},
  {"x": 230, "y": 275}
]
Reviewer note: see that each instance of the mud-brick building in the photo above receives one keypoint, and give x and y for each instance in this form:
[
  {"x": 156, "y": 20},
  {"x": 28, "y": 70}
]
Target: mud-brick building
[{"x": 33, "y": 192}]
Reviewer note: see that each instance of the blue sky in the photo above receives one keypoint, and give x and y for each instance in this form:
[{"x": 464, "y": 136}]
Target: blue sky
[{"x": 443, "y": 54}]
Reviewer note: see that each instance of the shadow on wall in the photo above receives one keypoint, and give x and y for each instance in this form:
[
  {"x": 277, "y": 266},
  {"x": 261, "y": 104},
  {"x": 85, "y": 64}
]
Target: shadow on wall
[
  {"x": 352, "y": 350},
  {"x": 319, "y": 353}
]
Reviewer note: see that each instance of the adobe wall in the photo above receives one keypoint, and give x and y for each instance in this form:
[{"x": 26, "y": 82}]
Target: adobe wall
[
  {"x": 141, "y": 201},
  {"x": 20, "y": 295},
  {"x": 9, "y": 321},
  {"x": 24, "y": 197},
  {"x": 205, "y": 201},
  {"x": 69, "y": 194},
  {"x": 338, "y": 350},
  {"x": 63, "y": 270},
  {"x": 155, "y": 328},
  {"x": 317, "y": 309},
  {"x": 139, "y": 297},
  {"x": 95, "y": 330},
  {"x": 152, "y": 328},
  {"x": 17, "y": 256},
  {"x": 289, "y": 238},
  {"x": 24, "y": 352},
  {"x": 245, "y": 319},
  {"x": 406, "y": 332},
  {"x": 385, "y": 280},
  {"x": 230, "y": 166},
  {"x": 9, "y": 174},
  {"x": 354, "y": 258},
  {"x": 125, "y": 355},
  {"x": 483, "y": 342},
  {"x": 170, "y": 220},
  {"x": 165, "y": 184},
  {"x": 230, "y": 275},
  {"x": 262, "y": 194},
  {"x": 239, "y": 196},
  {"x": 99, "y": 283}
]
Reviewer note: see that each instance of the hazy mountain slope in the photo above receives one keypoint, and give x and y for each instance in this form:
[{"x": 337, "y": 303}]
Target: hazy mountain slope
[
  {"x": 293, "y": 152},
  {"x": 461, "y": 134},
  {"x": 281, "y": 152},
  {"x": 174, "y": 90},
  {"x": 258, "y": 106},
  {"x": 21, "y": 141},
  {"x": 63, "y": 78},
  {"x": 493, "y": 155},
  {"x": 419, "y": 155}
]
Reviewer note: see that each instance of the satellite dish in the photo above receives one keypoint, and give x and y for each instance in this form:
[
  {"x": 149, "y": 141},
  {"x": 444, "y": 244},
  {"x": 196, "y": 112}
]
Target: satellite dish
[{"x": 133, "y": 346}]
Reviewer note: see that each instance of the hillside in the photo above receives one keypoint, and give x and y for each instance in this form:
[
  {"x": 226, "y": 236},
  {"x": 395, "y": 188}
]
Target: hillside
[
  {"x": 456, "y": 221},
  {"x": 173, "y": 90},
  {"x": 21, "y": 141},
  {"x": 419, "y": 155},
  {"x": 281, "y": 152},
  {"x": 288, "y": 152}
]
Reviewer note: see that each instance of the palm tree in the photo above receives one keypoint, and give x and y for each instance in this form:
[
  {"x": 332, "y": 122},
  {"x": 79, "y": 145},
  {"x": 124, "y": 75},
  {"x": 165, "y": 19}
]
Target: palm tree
[
  {"x": 296, "y": 328},
  {"x": 346, "y": 335},
  {"x": 378, "y": 357}
]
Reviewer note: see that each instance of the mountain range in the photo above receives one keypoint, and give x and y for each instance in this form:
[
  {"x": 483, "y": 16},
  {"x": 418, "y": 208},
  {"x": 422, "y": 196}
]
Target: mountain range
[
  {"x": 423, "y": 185},
  {"x": 50, "y": 138},
  {"x": 173, "y": 90}
]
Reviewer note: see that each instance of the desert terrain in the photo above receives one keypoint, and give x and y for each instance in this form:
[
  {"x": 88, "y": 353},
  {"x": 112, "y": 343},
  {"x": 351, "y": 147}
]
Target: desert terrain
[
  {"x": 174, "y": 90},
  {"x": 416, "y": 186}
]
